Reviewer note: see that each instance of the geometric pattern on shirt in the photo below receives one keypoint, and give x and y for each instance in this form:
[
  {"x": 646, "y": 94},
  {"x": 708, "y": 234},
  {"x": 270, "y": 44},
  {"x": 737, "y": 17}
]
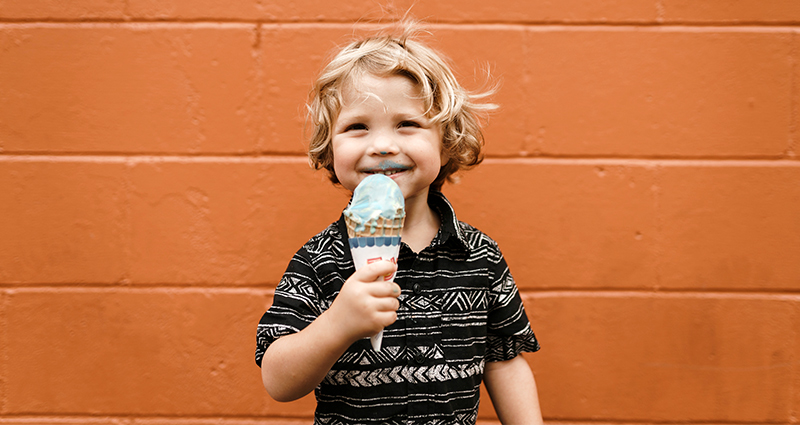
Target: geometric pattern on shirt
[
  {"x": 465, "y": 418},
  {"x": 390, "y": 354},
  {"x": 464, "y": 301},
  {"x": 400, "y": 374}
]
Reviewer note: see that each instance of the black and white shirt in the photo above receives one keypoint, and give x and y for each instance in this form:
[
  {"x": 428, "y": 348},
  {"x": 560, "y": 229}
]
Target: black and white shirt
[{"x": 459, "y": 308}]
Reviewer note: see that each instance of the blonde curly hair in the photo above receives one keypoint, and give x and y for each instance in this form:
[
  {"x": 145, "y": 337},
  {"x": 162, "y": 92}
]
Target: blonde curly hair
[{"x": 446, "y": 102}]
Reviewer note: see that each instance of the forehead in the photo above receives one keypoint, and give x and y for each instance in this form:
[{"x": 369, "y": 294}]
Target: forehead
[{"x": 390, "y": 88}]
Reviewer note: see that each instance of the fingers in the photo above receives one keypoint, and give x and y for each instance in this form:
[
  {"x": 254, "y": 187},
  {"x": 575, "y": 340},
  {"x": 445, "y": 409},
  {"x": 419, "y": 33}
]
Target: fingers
[
  {"x": 387, "y": 304},
  {"x": 386, "y": 318},
  {"x": 384, "y": 289},
  {"x": 376, "y": 271}
]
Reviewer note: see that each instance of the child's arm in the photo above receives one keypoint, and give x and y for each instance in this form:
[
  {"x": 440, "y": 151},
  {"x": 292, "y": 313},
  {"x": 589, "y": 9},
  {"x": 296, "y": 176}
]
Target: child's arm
[
  {"x": 512, "y": 388},
  {"x": 295, "y": 364}
]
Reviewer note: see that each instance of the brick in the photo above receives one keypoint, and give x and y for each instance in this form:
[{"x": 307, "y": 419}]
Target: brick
[
  {"x": 658, "y": 92},
  {"x": 306, "y": 10},
  {"x": 176, "y": 352},
  {"x": 88, "y": 420},
  {"x": 795, "y": 412},
  {"x": 128, "y": 88},
  {"x": 473, "y": 50},
  {"x": 747, "y": 11},
  {"x": 566, "y": 224},
  {"x": 730, "y": 225},
  {"x": 511, "y": 11},
  {"x": 168, "y": 221},
  {"x": 639, "y": 357},
  {"x": 793, "y": 151},
  {"x": 363, "y": 11},
  {"x": 3, "y": 352},
  {"x": 55, "y": 9},
  {"x": 292, "y": 58},
  {"x": 200, "y": 9},
  {"x": 344, "y": 10},
  {"x": 217, "y": 222},
  {"x": 62, "y": 222}
]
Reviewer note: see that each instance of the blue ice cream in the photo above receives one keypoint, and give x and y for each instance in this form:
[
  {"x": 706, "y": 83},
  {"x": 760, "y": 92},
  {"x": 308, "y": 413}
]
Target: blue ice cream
[{"x": 377, "y": 196}]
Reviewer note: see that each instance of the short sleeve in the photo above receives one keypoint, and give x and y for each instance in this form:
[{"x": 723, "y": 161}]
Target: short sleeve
[
  {"x": 296, "y": 303},
  {"x": 509, "y": 330}
]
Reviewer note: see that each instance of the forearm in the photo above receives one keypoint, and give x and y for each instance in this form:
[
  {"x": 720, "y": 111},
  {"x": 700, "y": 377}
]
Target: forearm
[
  {"x": 512, "y": 388},
  {"x": 295, "y": 364}
]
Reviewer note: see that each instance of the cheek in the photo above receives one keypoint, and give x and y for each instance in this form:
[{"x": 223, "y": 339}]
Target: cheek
[
  {"x": 444, "y": 157},
  {"x": 338, "y": 154},
  {"x": 344, "y": 164}
]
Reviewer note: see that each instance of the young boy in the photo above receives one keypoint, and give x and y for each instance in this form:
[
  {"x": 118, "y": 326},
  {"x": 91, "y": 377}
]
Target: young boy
[{"x": 453, "y": 316}]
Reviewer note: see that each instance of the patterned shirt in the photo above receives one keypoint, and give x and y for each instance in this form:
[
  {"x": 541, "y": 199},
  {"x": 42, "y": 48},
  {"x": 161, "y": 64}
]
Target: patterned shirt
[{"x": 459, "y": 308}]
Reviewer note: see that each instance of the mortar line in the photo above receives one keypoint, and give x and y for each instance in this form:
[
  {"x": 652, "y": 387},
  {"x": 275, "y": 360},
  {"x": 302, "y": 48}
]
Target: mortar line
[
  {"x": 651, "y": 25},
  {"x": 144, "y": 288},
  {"x": 135, "y": 158},
  {"x": 662, "y": 294}
]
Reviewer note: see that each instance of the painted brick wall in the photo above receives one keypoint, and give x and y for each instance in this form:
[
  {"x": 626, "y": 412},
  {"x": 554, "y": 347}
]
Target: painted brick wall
[{"x": 642, "y": 179}]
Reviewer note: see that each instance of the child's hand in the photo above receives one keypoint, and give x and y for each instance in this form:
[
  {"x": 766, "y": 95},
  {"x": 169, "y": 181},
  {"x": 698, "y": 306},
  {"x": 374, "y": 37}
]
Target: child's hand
[{"x": 366, "y": 304}]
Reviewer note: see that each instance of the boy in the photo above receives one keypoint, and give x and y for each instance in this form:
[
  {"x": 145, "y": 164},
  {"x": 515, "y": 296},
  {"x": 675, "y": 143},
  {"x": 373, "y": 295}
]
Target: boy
[{"x": 453, "y": 316}]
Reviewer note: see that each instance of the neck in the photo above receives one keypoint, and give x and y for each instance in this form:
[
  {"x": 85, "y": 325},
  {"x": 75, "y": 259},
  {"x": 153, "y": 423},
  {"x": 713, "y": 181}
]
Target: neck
[{"x": 422, "y": 223}]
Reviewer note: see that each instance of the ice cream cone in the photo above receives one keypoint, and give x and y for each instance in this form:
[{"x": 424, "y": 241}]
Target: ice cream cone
[
  {"x": 375, "y": 220},
  {"x": 377, "y": 227}
]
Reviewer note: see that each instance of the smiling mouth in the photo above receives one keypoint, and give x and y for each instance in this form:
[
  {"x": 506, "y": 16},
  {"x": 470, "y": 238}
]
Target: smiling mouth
[
  {"x": 388, "y": 168},
  {"x": 385, "y": 172}
]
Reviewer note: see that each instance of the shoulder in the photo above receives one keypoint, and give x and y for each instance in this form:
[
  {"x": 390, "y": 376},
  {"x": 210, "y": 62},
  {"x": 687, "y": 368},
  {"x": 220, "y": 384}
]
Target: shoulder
[
  {"x": 325, "y": 240},
  {"x": 475, "y": 238},
  {"x": 327, "y": 256}
]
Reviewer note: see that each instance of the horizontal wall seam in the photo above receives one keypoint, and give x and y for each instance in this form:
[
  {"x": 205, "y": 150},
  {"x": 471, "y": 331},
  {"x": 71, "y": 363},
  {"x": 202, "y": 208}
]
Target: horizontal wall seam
[
  {"x": 138, "y": 289},
  {"x": 292, "y": 159},
  {"x": 779, "y": 27}
]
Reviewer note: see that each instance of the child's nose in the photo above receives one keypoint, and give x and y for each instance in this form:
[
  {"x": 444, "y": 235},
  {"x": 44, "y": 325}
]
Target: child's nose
[{"x": 384, "y": 144}]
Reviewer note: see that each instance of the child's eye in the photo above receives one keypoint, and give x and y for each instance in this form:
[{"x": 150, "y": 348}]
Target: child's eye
[
  {"x": 408, "y": 124},
  {"x": 355, "y": 127}
]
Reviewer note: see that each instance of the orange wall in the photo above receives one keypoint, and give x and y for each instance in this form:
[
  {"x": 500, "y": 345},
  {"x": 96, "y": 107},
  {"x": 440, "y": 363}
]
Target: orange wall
[{"x": 642, "y": 179}]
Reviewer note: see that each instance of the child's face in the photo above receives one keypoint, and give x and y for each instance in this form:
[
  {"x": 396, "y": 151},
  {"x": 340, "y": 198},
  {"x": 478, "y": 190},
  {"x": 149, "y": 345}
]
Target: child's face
[{"x": 381, "y": 128}]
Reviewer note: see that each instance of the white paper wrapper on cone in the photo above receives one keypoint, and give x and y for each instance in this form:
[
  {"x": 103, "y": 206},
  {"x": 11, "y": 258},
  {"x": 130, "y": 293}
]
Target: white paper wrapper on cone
[{"x": 368, "y": 249}]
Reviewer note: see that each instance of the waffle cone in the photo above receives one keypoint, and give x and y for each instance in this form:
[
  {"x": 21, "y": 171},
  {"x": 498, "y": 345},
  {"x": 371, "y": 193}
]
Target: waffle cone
[{"x": 376, "y": 227}]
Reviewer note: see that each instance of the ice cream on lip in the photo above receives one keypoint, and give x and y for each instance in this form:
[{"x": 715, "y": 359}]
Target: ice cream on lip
[
  {"x": 388, "y": 166},
  {"x": 377, "y": 196}
]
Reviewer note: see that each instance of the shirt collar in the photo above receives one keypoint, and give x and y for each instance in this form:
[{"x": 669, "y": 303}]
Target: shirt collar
[{"x": 450, "y": 228}]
